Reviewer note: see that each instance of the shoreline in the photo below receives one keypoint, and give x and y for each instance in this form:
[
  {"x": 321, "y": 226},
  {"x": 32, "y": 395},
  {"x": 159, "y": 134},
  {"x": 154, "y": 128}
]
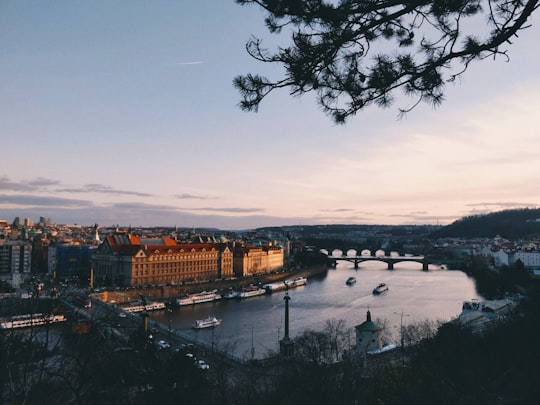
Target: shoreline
[{"x": 167, "y": 293}]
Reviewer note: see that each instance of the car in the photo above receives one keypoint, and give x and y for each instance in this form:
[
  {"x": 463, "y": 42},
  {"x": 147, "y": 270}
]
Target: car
[
  {"x": 122, "y": 315},
  {"x": 201, "y": 364},
  {"x": 154, "y": 331},
  {"x": 161, "y": 344}
]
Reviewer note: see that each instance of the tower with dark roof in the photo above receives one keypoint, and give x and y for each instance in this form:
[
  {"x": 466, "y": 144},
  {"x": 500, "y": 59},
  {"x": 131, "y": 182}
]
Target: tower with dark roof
[{"x": 368, "y": 336}]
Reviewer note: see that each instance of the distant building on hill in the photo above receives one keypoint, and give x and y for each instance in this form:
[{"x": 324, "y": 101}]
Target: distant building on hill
[{"x": 127, "y": 260}]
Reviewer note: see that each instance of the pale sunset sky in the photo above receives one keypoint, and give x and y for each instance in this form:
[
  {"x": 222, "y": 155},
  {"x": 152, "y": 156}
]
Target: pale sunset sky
[{"x": 123, "y": 112}]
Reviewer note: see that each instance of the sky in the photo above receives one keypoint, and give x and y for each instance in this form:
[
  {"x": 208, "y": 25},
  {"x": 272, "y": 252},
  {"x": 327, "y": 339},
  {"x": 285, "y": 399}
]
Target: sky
[{"x": 123, "y": 112}]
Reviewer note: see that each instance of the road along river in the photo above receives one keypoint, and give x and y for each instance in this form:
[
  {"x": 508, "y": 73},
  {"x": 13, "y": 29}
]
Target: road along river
[{"x": 252, "y": 327}]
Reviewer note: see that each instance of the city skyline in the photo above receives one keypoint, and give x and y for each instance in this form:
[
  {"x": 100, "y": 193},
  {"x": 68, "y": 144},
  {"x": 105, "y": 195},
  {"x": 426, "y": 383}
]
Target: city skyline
[{"x": 124, "y": 113}]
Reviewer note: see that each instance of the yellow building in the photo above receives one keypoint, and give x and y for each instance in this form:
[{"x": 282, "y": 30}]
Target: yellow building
[
  {"x": 250, "y": 260},
  {"x": 126, "y": 260}
]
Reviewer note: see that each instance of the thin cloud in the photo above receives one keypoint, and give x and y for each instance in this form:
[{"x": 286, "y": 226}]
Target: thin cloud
[
  {"x": 143, "y": 206},
  {"x": 40, "y": 201},
  {"x": 197, "y": 62},
  {"x": 231, "y": 210},
  {"x": 26, "y": 186},
  {"x": 186, "y": 196},
  {"x": 338, "y": 210},
  {"x": 99, "y": 188},
  {"x": 42, "y": 182}
]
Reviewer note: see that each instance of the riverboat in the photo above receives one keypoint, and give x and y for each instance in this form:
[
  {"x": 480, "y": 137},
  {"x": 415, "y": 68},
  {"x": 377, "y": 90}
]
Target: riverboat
[
  {"x": 297, "y": 282},
  {"x": 273, "y": 287},
  {"x": 209, "y": 322},
  {"x": 282, "y": 285},
  {"x": 205, "y": 296},
  {"x": 26, "y": 321},
  {"x": 380, "y": 289},
  {"x": 251, "y": 291},
  {"x": 350, "y": 281},
  {"x": 151, "y": 306}
]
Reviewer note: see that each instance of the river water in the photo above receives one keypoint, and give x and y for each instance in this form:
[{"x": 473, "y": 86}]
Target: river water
[{"x": 254, "y": 326}]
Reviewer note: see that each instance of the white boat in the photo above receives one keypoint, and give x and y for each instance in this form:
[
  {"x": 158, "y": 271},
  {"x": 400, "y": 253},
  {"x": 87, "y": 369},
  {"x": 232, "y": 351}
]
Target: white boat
[
  {"x": 350, "y": 281},
  {"x": 380, "y": 289},
  {"x": 154, "y": 306},
  {"x": 133, "y": 308},
  {"x": 273, "y": 287},
  {"x": 251, "y": 291},
  {"x": 205, "y": 296},
  {"x": 137, "y": 307},
  {"x": 209, "y": 322},
  {"x": 297, "y": 282},
  {"x": 282, "y": 285},
  {"x": 26, "y": 321}
]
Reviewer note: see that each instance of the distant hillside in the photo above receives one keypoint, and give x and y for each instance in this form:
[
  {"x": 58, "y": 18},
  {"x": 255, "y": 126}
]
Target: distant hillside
[{"x": 509, "y": 224}]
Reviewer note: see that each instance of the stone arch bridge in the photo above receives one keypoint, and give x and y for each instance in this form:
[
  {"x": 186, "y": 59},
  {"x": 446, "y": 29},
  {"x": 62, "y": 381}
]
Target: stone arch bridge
[{"x": 378, "y": 256}]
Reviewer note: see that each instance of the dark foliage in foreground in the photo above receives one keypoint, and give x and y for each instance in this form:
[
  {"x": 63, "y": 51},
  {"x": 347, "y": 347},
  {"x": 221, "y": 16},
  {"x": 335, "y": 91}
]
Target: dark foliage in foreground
[
  {"x": 357, "y": 53},
  {"x": 453, "y": 366}
]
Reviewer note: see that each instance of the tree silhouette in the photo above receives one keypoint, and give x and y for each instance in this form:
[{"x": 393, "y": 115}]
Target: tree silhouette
[{"x": 354, "y": 53}]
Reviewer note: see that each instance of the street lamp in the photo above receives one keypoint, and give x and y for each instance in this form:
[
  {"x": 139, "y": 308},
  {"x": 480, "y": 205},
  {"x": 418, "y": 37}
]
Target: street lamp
[
  {"x": 170, "y": 327},
  {"x": 401, "y": 314}
]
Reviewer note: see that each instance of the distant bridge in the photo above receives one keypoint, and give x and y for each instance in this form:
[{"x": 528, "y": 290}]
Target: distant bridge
[{"x": 389, "y": 260}]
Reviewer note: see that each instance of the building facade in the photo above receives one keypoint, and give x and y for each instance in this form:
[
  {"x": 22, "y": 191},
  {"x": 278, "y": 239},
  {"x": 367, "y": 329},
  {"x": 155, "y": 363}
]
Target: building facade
[
  {"x": 127, "y": 260},
  {"x": 251, "y": 260},
  {"x": 72, "y": 261},
  {"x": 15, "y": 262},
  {"x": 530, "y": 260}
]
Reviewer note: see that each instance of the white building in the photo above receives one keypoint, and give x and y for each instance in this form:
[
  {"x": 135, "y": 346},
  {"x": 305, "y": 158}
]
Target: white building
[
  {"x": 531, "y": 260},
  {"x": 368, "y": 336}
]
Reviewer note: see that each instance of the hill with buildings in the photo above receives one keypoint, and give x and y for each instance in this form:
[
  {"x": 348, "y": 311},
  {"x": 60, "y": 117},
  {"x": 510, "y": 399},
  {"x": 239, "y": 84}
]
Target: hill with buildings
[{"x": 509, "y": 224}]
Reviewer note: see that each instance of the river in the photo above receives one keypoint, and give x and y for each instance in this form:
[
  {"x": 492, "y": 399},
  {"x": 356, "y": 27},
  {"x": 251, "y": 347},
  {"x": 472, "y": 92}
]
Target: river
[{"x": 254, "y": 326}]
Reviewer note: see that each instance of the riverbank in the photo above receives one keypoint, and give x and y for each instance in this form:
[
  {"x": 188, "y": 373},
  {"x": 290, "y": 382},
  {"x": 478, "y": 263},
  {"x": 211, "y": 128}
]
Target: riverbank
[{"x": 168, "y": 292}]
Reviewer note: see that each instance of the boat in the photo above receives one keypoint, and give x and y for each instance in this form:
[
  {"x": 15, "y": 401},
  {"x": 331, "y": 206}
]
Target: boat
[
  {"x": 26, "y": 321},
  {"x": 282, "y": 285},
  {"x": 380, "y": 289},
  {"x": 273, "y": 287},
  {"x": 209, "y": 322},
  {"x": 231, "y": 294},
  {"x": 350, "y": 281},
  {"x": 205, "y": 296},
  {"x": 251, "y": 291},
  {"x": 138, "y": 307},
  {"x": 297, "y": 282},
  {"x": 154, "y": 306}
]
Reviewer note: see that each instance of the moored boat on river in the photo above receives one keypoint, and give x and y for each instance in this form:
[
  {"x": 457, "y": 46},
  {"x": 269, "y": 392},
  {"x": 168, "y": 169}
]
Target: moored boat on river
[
  {"x": 26, "y": 321},
  {"x": 251, "y": 291},
  {"x": 205, "y": 296},
  {"x": 139, "y": 307},
  {"x": 209, "y": 322},
  {"x": 297, "y": 282},
  {"x": 282, "y": 285}
]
